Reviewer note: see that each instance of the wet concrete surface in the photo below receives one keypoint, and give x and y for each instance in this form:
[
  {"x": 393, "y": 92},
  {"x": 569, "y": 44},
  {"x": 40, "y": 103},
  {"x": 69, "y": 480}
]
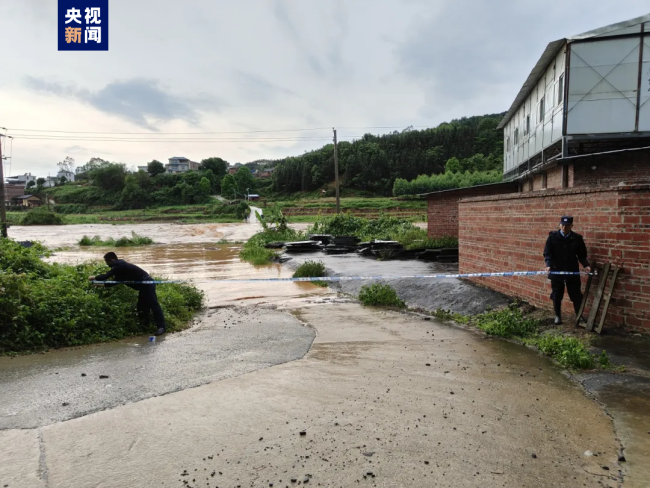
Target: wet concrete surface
[
  {"x": 381, "y": 399},
  {"x": 627, "y": 399},
  {"x": 631, "y": 351},
  {"x": 39, "y": 389},
  {"x": 459, "y": 296}
]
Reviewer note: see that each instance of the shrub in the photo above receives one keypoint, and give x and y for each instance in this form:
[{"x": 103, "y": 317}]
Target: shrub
[
  {"x": 52, "y": 305},
  {"x": 41, "y": 216},
  {"x": 570, "y": 352},
  {"x": 311, "y": 269},
  {"x": 134, "y": 241},
  {"x": 379, "y": 294},
  {"x": 254, "y": 250},
  {"x": 507, "y": 323}
]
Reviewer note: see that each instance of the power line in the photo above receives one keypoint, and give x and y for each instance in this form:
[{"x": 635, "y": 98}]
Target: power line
[
  {"x": 81, "y": 139},
  {"x": 205, "y": 133}
]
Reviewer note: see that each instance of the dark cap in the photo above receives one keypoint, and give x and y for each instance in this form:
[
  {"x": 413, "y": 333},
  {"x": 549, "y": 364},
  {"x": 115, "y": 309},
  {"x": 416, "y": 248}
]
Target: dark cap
[{"x": 566, "y": 220}]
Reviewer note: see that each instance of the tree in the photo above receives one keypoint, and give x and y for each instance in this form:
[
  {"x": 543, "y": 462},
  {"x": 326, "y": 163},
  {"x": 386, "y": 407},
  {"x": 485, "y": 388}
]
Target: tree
[
  {"x": 452, "y": 165},
  {"x": 62, "y": 180},
  {"x": 67, "y": 165},
  {"x": 229, "y": 187},
  {"x": 39, "y": 183},
  {"x": 155, "y": 168},
  {"x": 109, "y": 176},
  {"x": 32, "y": 184},
  {"x": 205, "y": 187},
  {"x": 133, "y": 195},
  {"x": 218, "y": 166},
  {"x": 244, "y": 178}
]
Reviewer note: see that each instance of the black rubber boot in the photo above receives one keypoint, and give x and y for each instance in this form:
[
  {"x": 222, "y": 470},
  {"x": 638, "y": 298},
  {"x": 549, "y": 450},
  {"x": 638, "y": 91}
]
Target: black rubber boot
[{"x": 557, "y": 306}]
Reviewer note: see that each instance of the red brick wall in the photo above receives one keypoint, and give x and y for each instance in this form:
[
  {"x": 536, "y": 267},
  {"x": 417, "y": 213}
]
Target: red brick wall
[
  {"x": 631, "y": 167},
  {"x": 508, "y": 232},
  {"x": 442, "y": 213},
  {"x": 554, "y": 177}
]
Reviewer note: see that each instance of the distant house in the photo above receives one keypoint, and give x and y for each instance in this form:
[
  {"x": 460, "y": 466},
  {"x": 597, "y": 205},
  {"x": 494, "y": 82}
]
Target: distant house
[
  {"x": 253, "y": 197},
  {"x": 51, "y": 181},
  {"x": 27, "y": 201},
  {"x": 20, "y": 180},
  {"x": 13, "y": 191},
  {"x": 263, "y": 174},
  {"x": 232, "y": 170},
  {"x": 68, "y": 175},
  {"x": 180, "y": 164}
]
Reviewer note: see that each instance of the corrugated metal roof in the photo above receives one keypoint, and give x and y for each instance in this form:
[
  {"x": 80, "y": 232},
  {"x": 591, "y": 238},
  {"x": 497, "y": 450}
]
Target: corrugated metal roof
[{"x": 549, "y": 54}]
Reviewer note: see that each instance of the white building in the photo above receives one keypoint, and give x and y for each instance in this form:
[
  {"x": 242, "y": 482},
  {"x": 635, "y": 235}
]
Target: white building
[
  {"x": 180, "y": 164},
  {"x": 587, "y": 94},
  {"x": 20, "y": 180},
  {"x": 68, "y": 175}
]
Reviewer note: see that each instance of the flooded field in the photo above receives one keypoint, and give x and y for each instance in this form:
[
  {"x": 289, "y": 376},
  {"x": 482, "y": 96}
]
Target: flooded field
[{"x": 182, "y": 252}]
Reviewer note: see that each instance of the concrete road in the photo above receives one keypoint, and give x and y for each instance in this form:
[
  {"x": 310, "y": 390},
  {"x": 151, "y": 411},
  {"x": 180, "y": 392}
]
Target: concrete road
[
  {"x": 39, "y": 389},
  {"x": 381, "y": 399}
]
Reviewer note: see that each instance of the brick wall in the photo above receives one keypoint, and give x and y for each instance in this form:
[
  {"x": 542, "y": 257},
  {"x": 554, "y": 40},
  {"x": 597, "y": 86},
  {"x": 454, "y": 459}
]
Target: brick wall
[
  {"x": 554, "y": 177},
  {"x": 508, "y": 232},
  {"x": 442, "y": 212},
  {"x": 632, "y": 167}
]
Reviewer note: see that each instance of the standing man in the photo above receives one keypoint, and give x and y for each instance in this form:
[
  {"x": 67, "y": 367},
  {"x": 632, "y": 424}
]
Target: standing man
[
  {"x": 563, "y": 250},
  {"x": 147, "y": 298}
]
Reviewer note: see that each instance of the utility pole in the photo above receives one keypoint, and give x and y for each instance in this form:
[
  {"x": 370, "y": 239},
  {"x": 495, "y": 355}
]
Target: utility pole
[
  {"x": 3, "y": 213},
  {"x": 336, "y": 174}
]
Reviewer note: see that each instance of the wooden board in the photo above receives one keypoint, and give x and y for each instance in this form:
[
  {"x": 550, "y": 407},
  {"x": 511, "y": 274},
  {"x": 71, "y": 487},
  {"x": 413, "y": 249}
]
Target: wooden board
[
  {"x": 586, "y": 295},
  {"x": 608, "y": 297},
  {"x": 599, "y": 296}
]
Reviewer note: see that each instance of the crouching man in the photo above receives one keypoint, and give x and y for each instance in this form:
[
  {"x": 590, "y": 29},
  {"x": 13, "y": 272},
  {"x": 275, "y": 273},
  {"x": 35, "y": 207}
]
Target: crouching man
[{"x": 147, "y": 298}]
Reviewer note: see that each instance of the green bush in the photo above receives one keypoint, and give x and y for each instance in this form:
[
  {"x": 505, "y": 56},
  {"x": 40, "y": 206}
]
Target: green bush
[
  {"x": 570, "y": 352},
  {"x": 507, "y": 323},
  {"x": 254, "y": 250},
  {"x": 41, "y": 216},
  {"x": 134, "y": 241},
  {"x": 379, "y": 294},
  {"x": 311, "y": 269},
  {"x": 52, "y": 305}
]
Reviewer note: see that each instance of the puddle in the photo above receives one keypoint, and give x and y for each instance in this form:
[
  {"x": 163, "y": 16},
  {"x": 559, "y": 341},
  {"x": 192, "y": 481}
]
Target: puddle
[{"x": 633, "y": 352}]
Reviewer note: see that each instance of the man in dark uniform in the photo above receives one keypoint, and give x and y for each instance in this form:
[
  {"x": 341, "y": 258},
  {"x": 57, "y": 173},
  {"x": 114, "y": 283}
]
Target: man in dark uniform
[
  {"x": 147, "y": 298},
  {"x": 563, "y": 250}
]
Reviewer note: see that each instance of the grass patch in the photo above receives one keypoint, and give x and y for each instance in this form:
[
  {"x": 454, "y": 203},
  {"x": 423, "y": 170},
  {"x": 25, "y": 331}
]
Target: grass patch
[
  {"x": 379, "y": 294},
  {"x": 311, "y": 269},
  {"x": 254, "y": 251},
  {"x": 41, "y": 216},
  {"x": 511, "y": 323},
  {"x": 54, "y": 305},
  {"x": 134, "y": 241},
  {"x": 507, "y": 323}
]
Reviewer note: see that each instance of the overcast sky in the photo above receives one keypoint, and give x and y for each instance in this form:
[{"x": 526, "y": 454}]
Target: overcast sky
[{"x": 268, "y": 65}]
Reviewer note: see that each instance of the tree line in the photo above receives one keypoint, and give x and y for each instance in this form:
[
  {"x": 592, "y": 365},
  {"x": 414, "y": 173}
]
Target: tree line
[
  {"x": 375, "y": 163},
  {"x": 100, "y": 182}
]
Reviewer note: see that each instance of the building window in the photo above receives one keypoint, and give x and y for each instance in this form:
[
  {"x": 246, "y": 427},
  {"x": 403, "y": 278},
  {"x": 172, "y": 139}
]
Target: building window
[
  {"x": 541, "y": 110},
  {"x": 516, "y": 136},
  {"x": 508, "y": 143},
  {"x": 527, "y": 125},
  {"x": 560, "y": 89}
]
